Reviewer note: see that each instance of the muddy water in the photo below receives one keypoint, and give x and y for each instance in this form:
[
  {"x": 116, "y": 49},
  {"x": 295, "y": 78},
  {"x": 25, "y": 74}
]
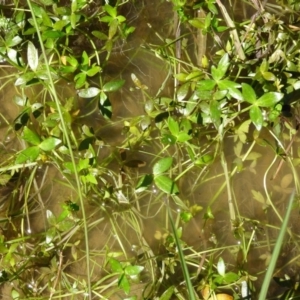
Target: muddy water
[{"x": 204, "y": 237}]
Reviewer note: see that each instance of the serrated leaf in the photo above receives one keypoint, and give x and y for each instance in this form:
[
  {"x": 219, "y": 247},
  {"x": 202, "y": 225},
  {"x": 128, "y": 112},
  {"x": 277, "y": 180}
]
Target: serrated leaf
[
  {"x": 113, "y": 86},
  {"x": 269, "y": 99},
  {"x": 89, "y": 92},
  {"x": 32, "y": 56},
  {"x": 256, "y": 117},
  {"x": 162, "y": 165},
  {"x": 49, "y": 144},
  {"x": 166, "y": 184}
]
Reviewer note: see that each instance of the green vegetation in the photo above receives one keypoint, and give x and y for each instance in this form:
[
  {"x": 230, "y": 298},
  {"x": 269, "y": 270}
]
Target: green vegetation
[{"x": 149, "y": 151}]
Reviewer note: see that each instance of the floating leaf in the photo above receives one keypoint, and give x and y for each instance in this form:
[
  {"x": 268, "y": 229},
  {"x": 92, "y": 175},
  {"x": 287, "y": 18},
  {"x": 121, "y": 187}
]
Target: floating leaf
[
  {"x": 162, "y": 165},
  {"x": 166, "y": 184},
  {"x": 89, "y": 92},
  {"x": 32, "y": 56},
  {"x": 113, "y": 86}
]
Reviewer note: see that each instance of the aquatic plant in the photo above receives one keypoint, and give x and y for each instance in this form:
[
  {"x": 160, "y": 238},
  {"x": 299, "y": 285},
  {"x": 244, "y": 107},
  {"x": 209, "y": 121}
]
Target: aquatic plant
[{"x": 148, "y": 151}]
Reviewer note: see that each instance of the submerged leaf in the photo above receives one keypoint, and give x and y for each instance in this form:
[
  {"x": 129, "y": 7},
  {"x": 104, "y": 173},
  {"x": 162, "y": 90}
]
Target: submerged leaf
[
  {"x": 166, "y": 184},
  {"x": 162, "y": 165},
  {"x": 89, "y": 92},
  {"x": 32, "y": 56},
  {"x": 113, "y": 86}
]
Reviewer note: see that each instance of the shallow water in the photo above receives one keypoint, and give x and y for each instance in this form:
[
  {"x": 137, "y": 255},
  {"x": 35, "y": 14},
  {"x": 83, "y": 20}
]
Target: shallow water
[{"x": 149, "y": 215}]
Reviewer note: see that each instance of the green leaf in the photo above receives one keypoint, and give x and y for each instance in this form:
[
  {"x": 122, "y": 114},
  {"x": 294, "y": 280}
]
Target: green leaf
[
  {"x": 50, "y": 217},
  {"x": 183, "y": 91},
  {"x": 124, "y": 283},
  {"x": 112, "y": 11},
  {"x": 144, "y": 182},
  {"x": 221, "y": 267},
  {"x": 115, "y": 265},
  {"x": 222, "y": 67},
  {"x": 50, "y": 235},
  {"x": 215, "y": 113},
  {"x": 89, "y": 92},
  {"x": 248, "y": 93},
  {"x": 133, "y": 270},
  {"x": 268, "y": 76},
  {"x": 32, "y": 56},
  {"x": 93, "y": 71},
  {"x": 162, "y": 165},
  {"x": 49, "y": 144},
  {"x": 173, "y": 126},
  {"x": 29, "y": 154},
  {"x": 113, "y": 86},
  {"x": 183, "y": 137},
  {"x": 166, "y": 184},
  {"x": 269, "y": 99},
  {"x": 30, "y": 136},
  {"x": 256, "y": 117},
  {"x": 206, "y": 85},
  {"x": 231, "y": 277}
]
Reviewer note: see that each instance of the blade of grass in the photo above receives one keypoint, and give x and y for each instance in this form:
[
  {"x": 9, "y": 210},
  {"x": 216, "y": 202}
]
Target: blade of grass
[
  {"x": 68, "y": 141},
  {"x": 275, "y": 254},
  {"x": 181, "y": 257}
]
